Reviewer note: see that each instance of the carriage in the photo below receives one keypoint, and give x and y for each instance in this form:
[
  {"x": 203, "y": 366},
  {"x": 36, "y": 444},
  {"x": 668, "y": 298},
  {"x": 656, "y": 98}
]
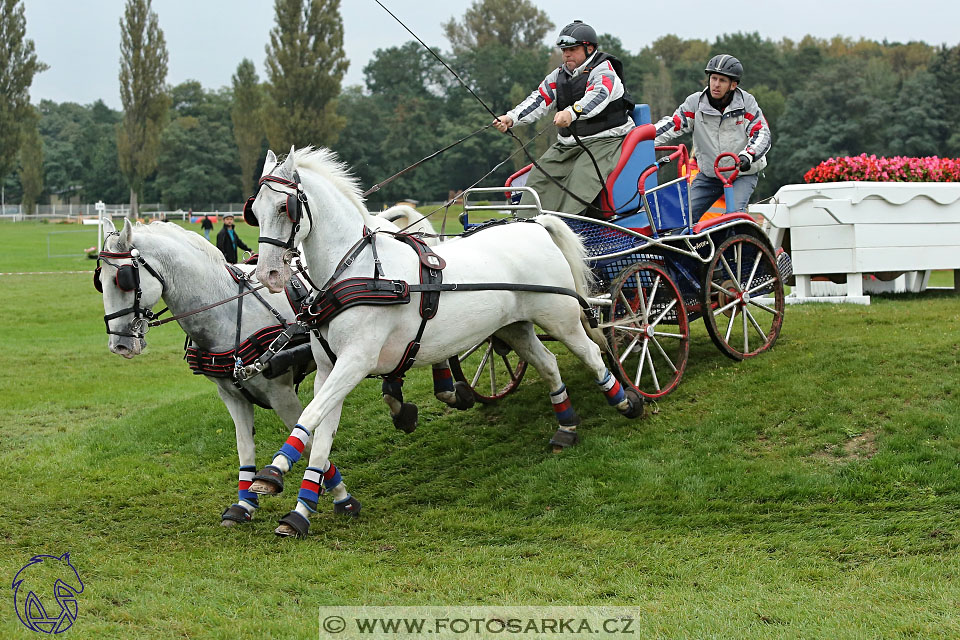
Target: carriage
[{"x": 656, "y": 272}]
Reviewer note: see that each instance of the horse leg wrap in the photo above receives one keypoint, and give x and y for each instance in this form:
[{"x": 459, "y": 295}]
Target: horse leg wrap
[
  {"x": 614, "y": 392},
  {"x": 348, "y": 507},
  {"x": 563, "y": 409},
  {"x": 297, "y": 522},
  {"x": 404, "y": 414},
  {"x": 443, "y": 384},
  {"x": 272, "y": 476},
  {"x": 293, "y": 448},
  {"x": 247, "y": 499},
  {"x": 564, "y": 437},
  {"x": 315, "y": 483}
]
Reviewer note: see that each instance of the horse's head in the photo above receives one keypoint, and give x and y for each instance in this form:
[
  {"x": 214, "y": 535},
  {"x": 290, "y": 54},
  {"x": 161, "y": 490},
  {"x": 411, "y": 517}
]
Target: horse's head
[
  {"x": 278, "y": 209},
  {"x": 130, "y": 289}
]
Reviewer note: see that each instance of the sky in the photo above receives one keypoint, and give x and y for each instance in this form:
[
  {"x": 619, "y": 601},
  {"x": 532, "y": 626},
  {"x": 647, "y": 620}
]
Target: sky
[{"x": 207, "y": 39}]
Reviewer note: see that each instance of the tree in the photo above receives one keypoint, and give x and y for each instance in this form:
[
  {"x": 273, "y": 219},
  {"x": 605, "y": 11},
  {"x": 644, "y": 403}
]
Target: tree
[
  {"x": 510, "y": 23},
  {"x": 31, "y": 162},
  {"x": 247, "y": 123},
  {"x": 305, "y": 65},
  {"x": 18, "y": 65},
  {"x": 143, "y": 72}
]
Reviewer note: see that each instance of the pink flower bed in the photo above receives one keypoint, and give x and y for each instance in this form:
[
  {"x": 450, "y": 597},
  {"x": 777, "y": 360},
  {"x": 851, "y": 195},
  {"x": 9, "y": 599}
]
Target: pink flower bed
[{"x": 896, "y": 169}]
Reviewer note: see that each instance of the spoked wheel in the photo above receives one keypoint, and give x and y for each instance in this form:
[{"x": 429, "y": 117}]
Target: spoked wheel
[
  {"x": 743, "y": 297},
  {"x": 491, "y": 369},
  {"x": 648, "y": 331}
]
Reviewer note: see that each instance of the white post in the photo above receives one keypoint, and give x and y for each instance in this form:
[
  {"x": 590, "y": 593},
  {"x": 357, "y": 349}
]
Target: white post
[{"x": 101, "y": 208}]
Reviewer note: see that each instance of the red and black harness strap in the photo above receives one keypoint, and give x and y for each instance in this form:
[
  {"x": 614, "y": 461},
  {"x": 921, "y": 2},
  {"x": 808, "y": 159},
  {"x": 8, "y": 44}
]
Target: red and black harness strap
[{"x": 226, "y": 364}]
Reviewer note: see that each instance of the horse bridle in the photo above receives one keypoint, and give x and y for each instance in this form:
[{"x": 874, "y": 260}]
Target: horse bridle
[
  {"x": 295, "y": 204},
  {"x": 127, "y": 279}
]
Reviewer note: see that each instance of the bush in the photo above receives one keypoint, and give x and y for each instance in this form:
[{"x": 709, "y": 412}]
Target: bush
[{"x": 896, "y": 169}]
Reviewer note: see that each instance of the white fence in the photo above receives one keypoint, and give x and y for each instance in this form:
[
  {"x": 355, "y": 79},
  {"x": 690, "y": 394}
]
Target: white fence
[{"x": 148, "y": 211}]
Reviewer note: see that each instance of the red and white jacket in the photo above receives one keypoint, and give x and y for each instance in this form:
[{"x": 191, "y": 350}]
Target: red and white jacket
[
  {"x": 603, "y": 86},
  {"x": 741, "y": 128}
]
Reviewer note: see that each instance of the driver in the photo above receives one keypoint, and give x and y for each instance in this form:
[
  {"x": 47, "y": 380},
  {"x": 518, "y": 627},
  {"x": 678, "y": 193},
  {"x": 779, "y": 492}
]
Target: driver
[
  {"x": 724, "y": 119},
  {"x": 591, "y": 104}
]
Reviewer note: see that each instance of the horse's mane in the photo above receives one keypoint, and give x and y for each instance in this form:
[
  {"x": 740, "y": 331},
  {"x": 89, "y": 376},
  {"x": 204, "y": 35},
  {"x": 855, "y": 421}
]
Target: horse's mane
[
  {"x": 179, "y": 234},
  {"x": 325, "y": 162}
]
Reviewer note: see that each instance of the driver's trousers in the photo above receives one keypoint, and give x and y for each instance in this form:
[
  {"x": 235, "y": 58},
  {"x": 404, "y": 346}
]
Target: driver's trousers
[{"x": 572, "y": 167}]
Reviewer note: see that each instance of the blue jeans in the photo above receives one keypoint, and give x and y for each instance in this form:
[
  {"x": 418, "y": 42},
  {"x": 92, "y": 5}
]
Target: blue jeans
[{"x": 705, "y": 190}]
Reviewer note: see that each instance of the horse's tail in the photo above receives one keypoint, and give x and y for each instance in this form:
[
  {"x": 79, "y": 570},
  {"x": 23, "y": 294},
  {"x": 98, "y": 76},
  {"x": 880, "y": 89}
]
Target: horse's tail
[
  {"x": 575, "y": 253},
  {"x": 406, "y": 216}
]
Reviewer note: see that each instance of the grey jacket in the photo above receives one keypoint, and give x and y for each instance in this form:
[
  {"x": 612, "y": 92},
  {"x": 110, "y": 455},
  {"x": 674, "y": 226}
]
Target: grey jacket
[{"x": 741, "y": 128}]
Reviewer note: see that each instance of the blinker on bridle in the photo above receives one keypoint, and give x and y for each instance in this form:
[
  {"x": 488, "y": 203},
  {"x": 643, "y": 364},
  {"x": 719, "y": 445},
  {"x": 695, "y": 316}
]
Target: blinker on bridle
[
  {"x": 127, "y": 279},
  {"x": 295, "y": 204}
]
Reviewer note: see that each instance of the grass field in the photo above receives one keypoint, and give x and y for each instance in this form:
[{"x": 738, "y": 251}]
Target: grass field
[{"x": 812, "y": 492}]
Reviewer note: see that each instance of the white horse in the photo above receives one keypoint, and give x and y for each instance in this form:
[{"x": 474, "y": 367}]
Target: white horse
[{"x": 311, "y": 200}]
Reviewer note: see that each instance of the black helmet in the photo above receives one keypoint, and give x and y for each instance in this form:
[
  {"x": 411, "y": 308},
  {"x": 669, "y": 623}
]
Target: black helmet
[
  {"x": 576, "y": 34},
  {"x": 725, "y": 65}
]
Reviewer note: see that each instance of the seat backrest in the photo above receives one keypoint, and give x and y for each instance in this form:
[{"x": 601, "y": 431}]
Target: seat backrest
[{"x": 637, "y": 153}]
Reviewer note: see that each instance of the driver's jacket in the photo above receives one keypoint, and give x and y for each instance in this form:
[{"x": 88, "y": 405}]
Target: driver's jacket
[
  {"x": 603, "y": 87},
  {"x": 741, "y": 128}
]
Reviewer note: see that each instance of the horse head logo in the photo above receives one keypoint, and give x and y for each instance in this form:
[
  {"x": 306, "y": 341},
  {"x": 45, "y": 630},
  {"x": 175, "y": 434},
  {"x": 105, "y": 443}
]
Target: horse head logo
[{"x": 41, "y": 573}]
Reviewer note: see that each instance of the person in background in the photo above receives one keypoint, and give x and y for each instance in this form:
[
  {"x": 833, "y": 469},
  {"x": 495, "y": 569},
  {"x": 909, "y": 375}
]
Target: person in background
[
  {"x": 592, "y": 115},
  {"x": 724, "y": 119},
  {"x": 207, "y": 225},
  {"x": 228, "y": 240}
]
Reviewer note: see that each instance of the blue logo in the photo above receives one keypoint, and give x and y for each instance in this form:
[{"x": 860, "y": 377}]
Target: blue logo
[{"x": 37, "y": 577}]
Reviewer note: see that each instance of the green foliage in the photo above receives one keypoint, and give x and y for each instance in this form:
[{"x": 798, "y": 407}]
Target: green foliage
[
  {"x": 18, "y": 65},
  {"x": 247, "y": 117},
  {"x": 305, "y": 64},
  {"x": 31, "y": 162},
  {"x": 143, "y": 71},
  {"x": 508, "y": 23}
]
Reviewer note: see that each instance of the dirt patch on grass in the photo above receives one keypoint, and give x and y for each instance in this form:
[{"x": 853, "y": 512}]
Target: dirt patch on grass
[{"x": 859, "y": 447}]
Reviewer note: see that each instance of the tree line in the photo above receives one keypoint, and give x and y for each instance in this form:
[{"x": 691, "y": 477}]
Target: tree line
[{"x": 189, "y": 146}]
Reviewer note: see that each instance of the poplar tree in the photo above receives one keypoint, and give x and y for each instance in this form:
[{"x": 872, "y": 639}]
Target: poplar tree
[
  {"x": 18, "y": 65},
  {"x": 305, "y": 65},
  {"x": 31, "y": 161},
  {"x": 143, "y": 72},
  {"x": 247, "y": 123}
]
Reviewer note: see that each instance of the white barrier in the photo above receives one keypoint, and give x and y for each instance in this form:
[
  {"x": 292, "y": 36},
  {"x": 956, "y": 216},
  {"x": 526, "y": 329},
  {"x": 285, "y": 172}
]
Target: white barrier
[{"x": 893, "y": 230}]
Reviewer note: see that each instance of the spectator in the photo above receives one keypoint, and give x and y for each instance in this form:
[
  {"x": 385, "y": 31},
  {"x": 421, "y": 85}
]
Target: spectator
[
  {"x": 207, "y": 225},
  {"x": 228, "y": 240}
]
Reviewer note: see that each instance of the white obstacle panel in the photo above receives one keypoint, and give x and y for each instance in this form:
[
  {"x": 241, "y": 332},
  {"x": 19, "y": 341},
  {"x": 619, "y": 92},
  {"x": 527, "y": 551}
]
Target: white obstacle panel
[{"x": 894, "y": 231}]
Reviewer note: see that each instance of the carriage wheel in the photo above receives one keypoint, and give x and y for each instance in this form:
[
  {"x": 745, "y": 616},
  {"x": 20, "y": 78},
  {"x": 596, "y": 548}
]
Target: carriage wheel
[
  {"x": 490, "y": 368},
  {"x": 648, "y": 331},
  {"x": 743, "y": 291}
]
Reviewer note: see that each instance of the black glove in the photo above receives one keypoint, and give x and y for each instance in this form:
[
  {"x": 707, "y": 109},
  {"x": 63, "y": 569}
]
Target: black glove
[{"x": 744, "y": 162}]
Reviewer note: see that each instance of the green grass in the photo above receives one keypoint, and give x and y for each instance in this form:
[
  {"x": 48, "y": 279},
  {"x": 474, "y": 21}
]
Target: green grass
[{"x": 811, "y": 492}]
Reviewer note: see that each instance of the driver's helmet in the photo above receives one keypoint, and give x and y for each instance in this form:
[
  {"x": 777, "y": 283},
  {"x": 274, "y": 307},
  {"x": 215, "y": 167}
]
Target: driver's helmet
[
  {"x": 576, "y": 34},
  {"x": 725, "y": 65}
]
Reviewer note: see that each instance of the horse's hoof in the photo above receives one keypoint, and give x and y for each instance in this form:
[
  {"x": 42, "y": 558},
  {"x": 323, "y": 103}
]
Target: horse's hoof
[
  {"x": 268, "y": 481},
  {"x": 465, "y": 397},
  {"x": 406, "y": 420},
  {"x": 293, "y": 524},
  {"x": 564, "y": 438},
  {"x": 636, "y": 403},
  {"x": 349, "y": 507},
  {"x": 233, "y": 515}
]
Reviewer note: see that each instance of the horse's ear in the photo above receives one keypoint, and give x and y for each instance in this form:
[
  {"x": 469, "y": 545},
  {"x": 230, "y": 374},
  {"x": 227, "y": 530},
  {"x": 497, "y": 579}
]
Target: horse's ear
[
  {"x": 288, "y": 163},
  {"x": 269, "y": 163},
  {"x": 108, "y": 226},
  {"x": 125, "y": 240}
]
